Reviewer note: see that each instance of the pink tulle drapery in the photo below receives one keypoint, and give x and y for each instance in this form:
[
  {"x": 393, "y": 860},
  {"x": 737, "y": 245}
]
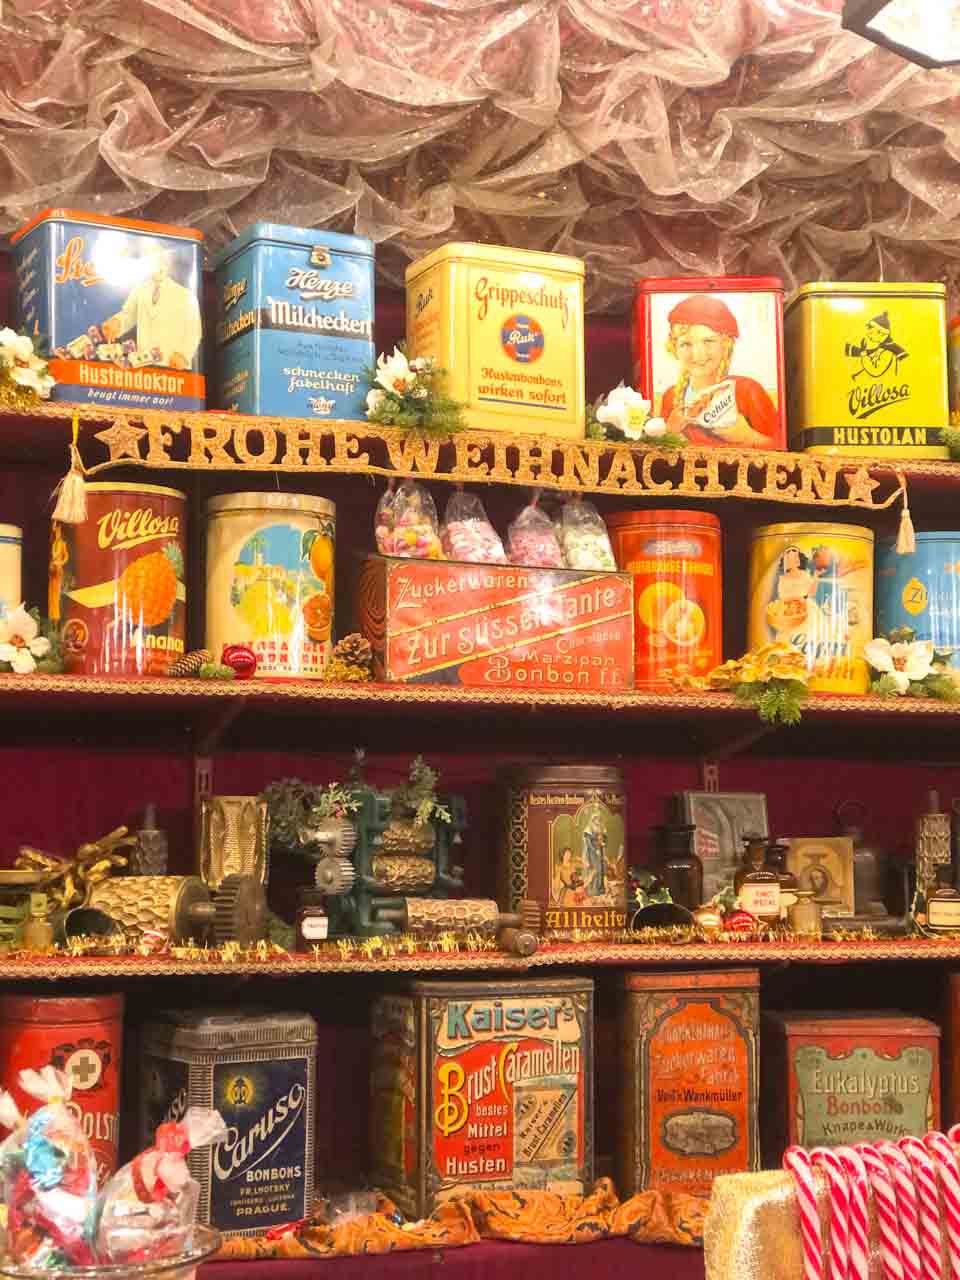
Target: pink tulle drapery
[{"x": 646, "y": 136}]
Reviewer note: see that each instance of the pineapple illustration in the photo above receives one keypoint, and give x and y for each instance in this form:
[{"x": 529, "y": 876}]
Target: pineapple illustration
[{"x": 148, "y": 585}]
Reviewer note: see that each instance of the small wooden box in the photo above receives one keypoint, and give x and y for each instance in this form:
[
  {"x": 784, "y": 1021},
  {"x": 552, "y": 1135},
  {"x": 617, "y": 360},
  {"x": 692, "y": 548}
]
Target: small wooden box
[
  {"x": 834, "y": 1079},
  {"x": 689, "y": 1079}
]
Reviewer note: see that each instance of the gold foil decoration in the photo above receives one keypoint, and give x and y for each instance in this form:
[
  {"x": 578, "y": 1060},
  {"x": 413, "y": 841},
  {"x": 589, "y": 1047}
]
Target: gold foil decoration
[
  {"x": 70, "y": 881},
  {"x": 404, "y": 873}
]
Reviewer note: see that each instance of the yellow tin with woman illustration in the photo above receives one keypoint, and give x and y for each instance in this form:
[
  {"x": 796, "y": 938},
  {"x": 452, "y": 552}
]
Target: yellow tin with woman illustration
[
  {"x": 867, "y": 369},
  {"x": 812, "y": 586},
  {"x": 708, "y": 354}
]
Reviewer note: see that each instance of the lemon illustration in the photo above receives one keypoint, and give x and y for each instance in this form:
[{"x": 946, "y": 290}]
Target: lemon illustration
[
  {"x": 264, "y": 612},
  {"x": 684, "y": 623},
  {"x": 654, "y": 601}
]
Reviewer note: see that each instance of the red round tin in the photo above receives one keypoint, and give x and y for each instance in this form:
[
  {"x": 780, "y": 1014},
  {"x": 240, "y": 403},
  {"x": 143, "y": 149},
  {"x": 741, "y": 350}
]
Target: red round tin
[
  {"x": 117, "y": 581},
  {"x": 80, "y": 1035}
]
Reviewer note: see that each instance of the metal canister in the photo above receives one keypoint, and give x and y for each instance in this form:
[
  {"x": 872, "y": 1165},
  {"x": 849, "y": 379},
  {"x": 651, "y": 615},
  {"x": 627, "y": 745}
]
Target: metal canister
[
  {"x": 117, "y": 581},
  {"x": 233, "y": 839},
  {"x": 563, "y": 844},
  {"x": 11, "y": 555},
  {"x": 259, "y": 1069},
  {"x": 270, "y": 579},
  {"x": 80, "y": 1035},
  {"x": 922, "y": 591},
  {"x": 675, "y": 559},
  {"x": 811, "y": 585},
  {"x": 867, "y": 368}
]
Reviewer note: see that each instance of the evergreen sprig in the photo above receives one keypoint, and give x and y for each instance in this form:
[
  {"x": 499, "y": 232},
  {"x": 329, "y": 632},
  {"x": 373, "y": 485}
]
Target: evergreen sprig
[
  {"x": 950, "y": 436},
  {"x": 777, "y": 701}
]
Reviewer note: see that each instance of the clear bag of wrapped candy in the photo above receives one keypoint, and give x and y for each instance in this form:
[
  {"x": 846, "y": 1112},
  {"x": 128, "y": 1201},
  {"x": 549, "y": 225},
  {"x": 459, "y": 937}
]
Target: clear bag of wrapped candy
[
  {"x": 583, "y": 536},
  {"x": 148, "y": 1208},
  {"x": 468, "y": 534},
  {"x": 49, "y": 1180},
  {"x": 409, "y": 526},
  {"x": 532, "y": 539}
]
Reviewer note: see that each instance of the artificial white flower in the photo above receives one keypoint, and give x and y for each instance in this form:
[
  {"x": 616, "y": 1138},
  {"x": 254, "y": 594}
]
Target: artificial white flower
[
  {"x": 20, "y": 641},
  {"x": 902, "y": 662},
  {"x": 394, "y": 373},
  {"x": 653, "y": 429},
  {"x": 418, "y": 365},
  {"x": 15, "y": 346},
  {"x": 625, "y": 409},
  {"x": 375, "y": 398}
]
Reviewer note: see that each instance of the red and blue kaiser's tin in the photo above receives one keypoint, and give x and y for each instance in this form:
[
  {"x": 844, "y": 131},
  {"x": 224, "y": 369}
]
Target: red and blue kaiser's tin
[
  {"x": 117, "y": 303},
  {"x": 708, "y": 354}
]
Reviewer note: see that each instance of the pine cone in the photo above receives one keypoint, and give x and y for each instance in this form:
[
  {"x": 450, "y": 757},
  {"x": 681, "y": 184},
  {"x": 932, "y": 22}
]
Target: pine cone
[
  {"x": 354, "y": 651},
  {"x": 190, "y": 663}
]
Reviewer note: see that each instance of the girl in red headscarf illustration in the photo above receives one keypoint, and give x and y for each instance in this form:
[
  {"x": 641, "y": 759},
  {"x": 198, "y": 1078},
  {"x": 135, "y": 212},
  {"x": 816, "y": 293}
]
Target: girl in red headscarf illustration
[{"x": 707, "y": 404}]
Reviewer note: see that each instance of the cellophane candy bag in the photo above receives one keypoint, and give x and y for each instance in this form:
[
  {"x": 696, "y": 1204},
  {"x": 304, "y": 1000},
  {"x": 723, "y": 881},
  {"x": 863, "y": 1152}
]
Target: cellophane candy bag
[
  {"x": 584, "y": 537},
  {"x": 410, "y": 524},
  {"x": 11, "y": 1119},
  {"x": 467, "y": 533},
  {"x": 50, "y": 1180},
  {"x": 148, "y": 1208},
  {"x": 532, "y": 539}
]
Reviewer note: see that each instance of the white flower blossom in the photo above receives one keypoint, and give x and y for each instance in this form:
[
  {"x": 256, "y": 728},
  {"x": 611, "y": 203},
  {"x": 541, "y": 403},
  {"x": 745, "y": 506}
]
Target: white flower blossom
[
  {"x": 15, "y": 347},
  {"x": 653, "y": 429},
  {"x": 627, "y": 410},
  {"x": 375, "y": 398},
  {"x": 20, "y": 641},
  {"x": 394, "y": 373},
  {"x": 902, "y": 662}
]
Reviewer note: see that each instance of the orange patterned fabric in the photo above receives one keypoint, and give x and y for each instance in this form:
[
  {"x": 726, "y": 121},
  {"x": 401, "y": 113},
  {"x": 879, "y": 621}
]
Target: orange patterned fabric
[{"x": 532, "y": 1217}]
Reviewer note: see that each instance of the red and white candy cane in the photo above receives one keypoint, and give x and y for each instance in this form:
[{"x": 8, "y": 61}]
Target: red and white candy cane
[
  {"x": 859, "y": 1212},
  {"x": 945, "y": 1159},
  {"x": 925, "y": 1177},
  {"x": 797, "y": 1163},
  {"x": 906, "y": 1193},
  {"x": 839, "y": 1211},
  {"x": 885, "y": 1204}
]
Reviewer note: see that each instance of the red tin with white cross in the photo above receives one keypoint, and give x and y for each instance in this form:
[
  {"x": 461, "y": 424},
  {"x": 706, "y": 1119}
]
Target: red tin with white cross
[{"x": 80, "y": 1035}]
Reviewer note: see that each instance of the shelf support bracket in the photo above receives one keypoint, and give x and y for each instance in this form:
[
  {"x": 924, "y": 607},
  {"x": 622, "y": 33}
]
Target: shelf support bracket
[
  {"x": 208, "y": 740},
  {"x": 710, "y": 762}
]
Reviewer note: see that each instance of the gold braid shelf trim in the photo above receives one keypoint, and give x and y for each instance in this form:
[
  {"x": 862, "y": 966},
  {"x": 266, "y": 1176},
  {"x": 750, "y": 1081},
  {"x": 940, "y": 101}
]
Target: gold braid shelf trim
[
  {"x": 637, "y": 955},
  {"x": 310, "y": 693},
  {"x": 229, "y": 442}
]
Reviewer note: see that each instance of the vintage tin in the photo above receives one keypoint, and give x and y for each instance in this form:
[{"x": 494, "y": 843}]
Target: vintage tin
[
  {"x": 867, "y": 369},
  {"x": 270, "y": 579},
  {"x": 922, "y": 590},
  {"x": 259, "y": 1070},
  {"x": 507, "y": 325},
  {"x": 676, "y": 562},
  {"x": 496, "y": 626},
  {"x": 482, "y": 1085},
  {"x": 953, "y": 370},
  {"x": 295, "y": 324},
  {"x": 117, "y": 581},
  {"x": 812, "y": 586},
  {"x": 835, "y": 1079},
  {"x": 690, "y": 1079},
  {"x": 562, "y": 842},
  {"x": 708, "y": 354},
  {"x": 81, "y": 1035},
  {"x": 951, "y": 1051},
  {"x": 11, "y": 558},
  {"x": 117, "y": 303}
]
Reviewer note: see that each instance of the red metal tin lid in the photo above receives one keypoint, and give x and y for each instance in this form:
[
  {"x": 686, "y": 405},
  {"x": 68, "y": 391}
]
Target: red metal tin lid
[
  {"x": 701, "y": 980},
  {"x": 630, "y": 519},
  {"x": 106, "y": 220},
  {"x": 708, "y": 284},
  {"x": 60, "y": 1009},
  {"x": 885, "y": 1022}
]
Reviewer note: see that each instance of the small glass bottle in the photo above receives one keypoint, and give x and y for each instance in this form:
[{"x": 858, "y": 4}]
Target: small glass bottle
[
  {"x": 37, "y": 931},
  {"x": 777, "y": 862},
  {"x": 760, "y": 894},
  {"x": 681, "y": 869},
  {"x": 312, "y": 923},
  {"x": 754, "y": 859},
  {"x": 804, "y": 916},
  {"x": 943, "y": 905}
]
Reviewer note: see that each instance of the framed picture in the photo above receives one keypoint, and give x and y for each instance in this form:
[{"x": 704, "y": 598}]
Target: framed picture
[
  {"x": 825, "y": 865},
  {"x": 722, "y": 819}
]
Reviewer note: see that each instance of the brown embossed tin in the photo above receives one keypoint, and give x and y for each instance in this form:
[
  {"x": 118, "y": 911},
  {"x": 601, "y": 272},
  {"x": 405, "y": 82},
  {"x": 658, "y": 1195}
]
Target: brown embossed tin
[
  {"x": 835, "y": 1079},
  {"x": 690, "y": 1079},
  {"x": 563, "y": 841},
  {"x": 482, "y": 1085}
]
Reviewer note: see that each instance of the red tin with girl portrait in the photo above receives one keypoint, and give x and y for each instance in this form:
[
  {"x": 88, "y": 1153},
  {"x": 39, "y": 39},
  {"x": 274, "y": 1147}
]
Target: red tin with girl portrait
[{"x": 708, "y": 354}]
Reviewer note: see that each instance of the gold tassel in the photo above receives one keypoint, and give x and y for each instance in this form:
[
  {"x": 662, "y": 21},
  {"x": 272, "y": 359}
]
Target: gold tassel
[
  {"x": 71, "y": 492},
  {"x": 906, "y": 538}
]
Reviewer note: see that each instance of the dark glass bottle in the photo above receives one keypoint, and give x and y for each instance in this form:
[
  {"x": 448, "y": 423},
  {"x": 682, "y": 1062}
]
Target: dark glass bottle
[
  {"x": 312, "y": 923},
  {"x": 681, "y": 869},
  {"x": 777, "y": 862},
  {"x": 754, "y": 859}
]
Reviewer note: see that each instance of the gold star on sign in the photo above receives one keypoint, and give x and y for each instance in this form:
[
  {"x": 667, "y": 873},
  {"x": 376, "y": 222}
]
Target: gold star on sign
[
  {"x": 123, "y": 440},
  {"x": 860, "y": 485}
]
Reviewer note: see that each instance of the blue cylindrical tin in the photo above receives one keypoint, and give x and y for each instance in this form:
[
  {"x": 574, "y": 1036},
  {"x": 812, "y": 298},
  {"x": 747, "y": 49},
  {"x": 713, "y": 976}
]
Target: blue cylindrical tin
[{"x": 922, "y": 590}]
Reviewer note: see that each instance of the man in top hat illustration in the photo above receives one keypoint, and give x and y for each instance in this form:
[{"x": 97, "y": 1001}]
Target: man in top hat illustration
[
  {"x": 164, "y": 315},
  {"x": 876, "y": 351},
  {"x": 707, "y": 404}
]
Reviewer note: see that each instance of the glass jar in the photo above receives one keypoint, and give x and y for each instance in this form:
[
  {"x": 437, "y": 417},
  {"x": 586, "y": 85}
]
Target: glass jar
[
  {"x": 312, "y": 923},
  {"x": 681, "y": 869}
]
